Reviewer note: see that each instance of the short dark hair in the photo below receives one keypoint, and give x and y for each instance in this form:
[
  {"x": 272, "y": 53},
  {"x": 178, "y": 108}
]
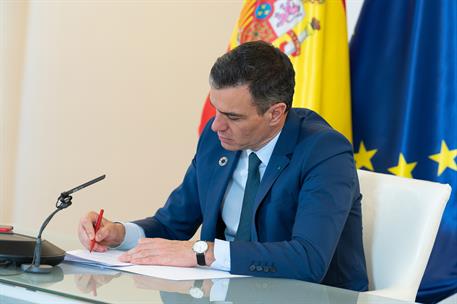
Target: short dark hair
[{"x": 266, "y": 70}]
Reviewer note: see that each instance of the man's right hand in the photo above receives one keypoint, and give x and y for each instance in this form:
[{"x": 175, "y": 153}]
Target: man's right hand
[{"x": 109, "y": 235}]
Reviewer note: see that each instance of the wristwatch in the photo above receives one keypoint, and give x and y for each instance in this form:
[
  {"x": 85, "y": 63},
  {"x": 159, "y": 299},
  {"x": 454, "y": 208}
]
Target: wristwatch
[{"x": 200, "y": 248}]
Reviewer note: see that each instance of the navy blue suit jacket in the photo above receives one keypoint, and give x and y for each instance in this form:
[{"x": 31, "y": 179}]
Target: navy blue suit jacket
[{"x": 307, "y": 223}]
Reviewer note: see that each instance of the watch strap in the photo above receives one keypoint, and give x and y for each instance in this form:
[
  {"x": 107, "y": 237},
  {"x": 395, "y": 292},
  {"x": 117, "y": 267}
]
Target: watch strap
[{"x": 201, "y": 259}]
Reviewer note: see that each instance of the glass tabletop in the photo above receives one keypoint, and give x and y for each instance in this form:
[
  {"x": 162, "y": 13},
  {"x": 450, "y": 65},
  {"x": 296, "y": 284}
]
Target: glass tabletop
[{"x": 98, "y": 285}]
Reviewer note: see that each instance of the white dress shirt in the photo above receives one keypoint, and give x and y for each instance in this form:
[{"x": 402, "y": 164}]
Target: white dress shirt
[{"x": 231, "y": 207}]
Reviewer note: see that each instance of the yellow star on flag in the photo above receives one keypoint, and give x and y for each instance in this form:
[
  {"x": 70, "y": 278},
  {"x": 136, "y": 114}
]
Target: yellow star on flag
[
  {"x": 363, "y": 157},
  {"x": 445, "y": 159},
  {"x": 403, "y": 168}
]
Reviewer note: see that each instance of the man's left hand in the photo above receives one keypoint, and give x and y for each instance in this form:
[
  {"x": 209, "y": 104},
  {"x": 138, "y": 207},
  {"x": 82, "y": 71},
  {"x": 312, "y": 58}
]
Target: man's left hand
[{"x": 156, "y": 251}]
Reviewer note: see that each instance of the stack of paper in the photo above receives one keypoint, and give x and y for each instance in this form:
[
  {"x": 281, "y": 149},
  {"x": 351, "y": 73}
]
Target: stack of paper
[
  {"x": 109, "y": 259},
  {"x": 106, "y": 259}
]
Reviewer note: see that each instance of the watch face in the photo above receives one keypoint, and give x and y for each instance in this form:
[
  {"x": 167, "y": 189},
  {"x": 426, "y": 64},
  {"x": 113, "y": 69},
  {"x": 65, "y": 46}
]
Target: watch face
[{"x": 200, "y": 247}]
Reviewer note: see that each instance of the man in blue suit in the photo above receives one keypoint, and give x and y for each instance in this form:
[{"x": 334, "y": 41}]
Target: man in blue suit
[{"x": 274, "y": 188}]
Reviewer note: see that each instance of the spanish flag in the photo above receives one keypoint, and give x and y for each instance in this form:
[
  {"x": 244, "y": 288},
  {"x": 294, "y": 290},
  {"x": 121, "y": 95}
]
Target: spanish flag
[{"x": 313, "y": 34}]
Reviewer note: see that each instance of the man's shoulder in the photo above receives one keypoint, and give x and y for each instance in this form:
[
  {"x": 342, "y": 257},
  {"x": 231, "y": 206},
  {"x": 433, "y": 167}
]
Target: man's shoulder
[
  {"x": 309, "y": 118},
  {"x": 310, "y": 124},
  {"x": 311, "y": 130}
]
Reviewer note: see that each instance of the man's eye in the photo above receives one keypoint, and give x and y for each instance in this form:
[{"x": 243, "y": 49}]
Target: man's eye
[{"x": 233, "y": 118}]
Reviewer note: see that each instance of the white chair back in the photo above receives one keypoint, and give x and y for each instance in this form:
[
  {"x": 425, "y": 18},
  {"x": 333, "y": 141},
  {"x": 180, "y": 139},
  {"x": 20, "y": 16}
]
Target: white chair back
[{"x": 400, "y": 219}]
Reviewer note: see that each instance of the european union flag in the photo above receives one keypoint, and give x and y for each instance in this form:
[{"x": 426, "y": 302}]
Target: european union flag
[{"x": 404, "y": 94}]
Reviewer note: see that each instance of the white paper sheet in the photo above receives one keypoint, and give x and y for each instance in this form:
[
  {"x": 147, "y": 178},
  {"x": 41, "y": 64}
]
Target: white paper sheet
[
  {"x": 109, "y": 259},
  {"x": 179, "y": 273}
]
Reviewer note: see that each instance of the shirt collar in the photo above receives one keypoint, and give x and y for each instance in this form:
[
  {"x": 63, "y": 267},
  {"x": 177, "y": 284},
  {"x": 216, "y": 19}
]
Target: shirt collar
[{"x": 265, "y": 152}]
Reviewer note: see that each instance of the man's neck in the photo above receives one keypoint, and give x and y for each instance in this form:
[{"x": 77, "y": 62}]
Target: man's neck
[
  {"x": 272, "y": 134},
  {"x": 267, "y": 140}
]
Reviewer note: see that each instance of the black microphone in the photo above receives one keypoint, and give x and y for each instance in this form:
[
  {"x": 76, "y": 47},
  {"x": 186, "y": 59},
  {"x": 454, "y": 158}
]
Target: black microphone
[{"x": 63, "y": 201}]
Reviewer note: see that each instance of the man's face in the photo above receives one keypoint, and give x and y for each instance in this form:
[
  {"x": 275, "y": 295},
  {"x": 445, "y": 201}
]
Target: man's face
[{"x": 238, "y": 124}]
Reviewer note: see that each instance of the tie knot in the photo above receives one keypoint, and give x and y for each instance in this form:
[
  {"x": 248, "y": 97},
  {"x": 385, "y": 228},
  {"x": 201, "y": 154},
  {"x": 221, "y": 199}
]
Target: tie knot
[{"x": 254, "y": 162}]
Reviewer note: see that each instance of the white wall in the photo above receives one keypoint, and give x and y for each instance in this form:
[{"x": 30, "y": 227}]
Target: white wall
[
  {"x": 111, "y": 87},
  {"x": 13, "y": 22},
  {"x": 353, "y": 8},
  {"x": 104, "y": 87}
]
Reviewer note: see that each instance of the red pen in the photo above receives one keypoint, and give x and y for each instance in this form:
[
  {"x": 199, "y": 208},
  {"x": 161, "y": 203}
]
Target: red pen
[{"x": 97, "y": 226}]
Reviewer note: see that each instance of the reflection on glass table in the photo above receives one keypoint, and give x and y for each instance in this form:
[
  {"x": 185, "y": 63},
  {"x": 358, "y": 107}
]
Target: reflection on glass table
[{"x": 98, "y": 285}]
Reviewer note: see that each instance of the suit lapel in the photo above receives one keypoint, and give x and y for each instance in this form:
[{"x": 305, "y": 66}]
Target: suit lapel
[
  {"x": 279, "y": 160},
  {"x": 217, "y": 186},
  {"x": 276, "y": 164}
]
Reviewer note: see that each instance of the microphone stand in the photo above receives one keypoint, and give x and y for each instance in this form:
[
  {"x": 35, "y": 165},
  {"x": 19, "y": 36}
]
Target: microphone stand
[{"x": 63, "y": 201}]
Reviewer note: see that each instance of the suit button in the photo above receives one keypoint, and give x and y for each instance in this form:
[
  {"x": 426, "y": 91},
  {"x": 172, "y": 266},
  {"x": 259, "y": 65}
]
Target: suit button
[
  {"x": 252, "y": 268},
  {"x": 259, "y": 268}
]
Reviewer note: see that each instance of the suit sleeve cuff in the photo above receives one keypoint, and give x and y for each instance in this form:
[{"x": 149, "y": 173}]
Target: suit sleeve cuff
[
  {"x": 133, "y": 233},
  {"x": 221, "y": 255}
]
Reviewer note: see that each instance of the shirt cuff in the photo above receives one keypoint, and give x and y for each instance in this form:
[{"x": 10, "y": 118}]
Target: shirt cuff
[
  {"x": 221, "y": 255},
  {"x": 133, "y": 233}
]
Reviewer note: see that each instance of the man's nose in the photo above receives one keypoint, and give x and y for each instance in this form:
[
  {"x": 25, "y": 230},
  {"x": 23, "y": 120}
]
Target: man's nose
[{"x": 218, "y": 123}]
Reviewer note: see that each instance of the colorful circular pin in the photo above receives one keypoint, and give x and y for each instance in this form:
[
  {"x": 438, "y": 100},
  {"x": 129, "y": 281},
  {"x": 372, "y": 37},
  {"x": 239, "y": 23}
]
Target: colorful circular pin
[{"x": 223, "y": 161}]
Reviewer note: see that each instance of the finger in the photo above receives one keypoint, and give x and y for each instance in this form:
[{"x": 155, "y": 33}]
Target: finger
[
  {"x": 150, "y": 260},
  {"x": 108, "y": 236},
  {"x": 87, "y": 224},
  {"x": 102, "y": 234},
  {"x": 149, "y": 246},
  {"x": 139, "y": 252},
  {"x": 83, "y": 238},
  {"x": 125, "y": 257},
  {"x": 100, "y": 248}
]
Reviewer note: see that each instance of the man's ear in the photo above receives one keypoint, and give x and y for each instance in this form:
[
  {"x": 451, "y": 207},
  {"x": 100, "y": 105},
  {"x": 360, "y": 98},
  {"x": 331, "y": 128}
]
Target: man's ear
[{"x": 277, "y": 113}]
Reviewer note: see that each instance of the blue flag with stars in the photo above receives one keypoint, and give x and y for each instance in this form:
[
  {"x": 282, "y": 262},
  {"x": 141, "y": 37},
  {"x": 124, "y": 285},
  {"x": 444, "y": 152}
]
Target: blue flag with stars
[{"x": 404, "y": 95}]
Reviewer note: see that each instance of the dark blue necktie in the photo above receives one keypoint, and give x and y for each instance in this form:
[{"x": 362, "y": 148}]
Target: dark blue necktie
[{"x": 252, "y": 185}]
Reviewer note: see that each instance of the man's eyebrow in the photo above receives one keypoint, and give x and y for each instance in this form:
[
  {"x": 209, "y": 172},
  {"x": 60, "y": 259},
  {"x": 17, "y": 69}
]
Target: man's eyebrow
[{"x": 228, "y": 113}]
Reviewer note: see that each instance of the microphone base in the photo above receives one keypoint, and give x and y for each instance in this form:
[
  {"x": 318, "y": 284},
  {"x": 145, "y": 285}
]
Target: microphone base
[{"x": 43, "y": 268}]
